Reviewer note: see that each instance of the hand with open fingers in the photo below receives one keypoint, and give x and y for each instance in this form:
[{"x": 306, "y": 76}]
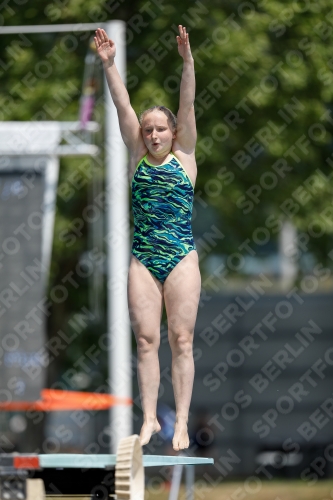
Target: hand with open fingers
[
  {"x": 183, "y": 42},
  {"x": 106, "y": 48}
]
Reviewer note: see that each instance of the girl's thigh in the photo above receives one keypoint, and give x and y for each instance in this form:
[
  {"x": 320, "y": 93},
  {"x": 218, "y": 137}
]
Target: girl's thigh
[
  {"x": 182, "y": 293},
  {"x": 145, "y": 300}
]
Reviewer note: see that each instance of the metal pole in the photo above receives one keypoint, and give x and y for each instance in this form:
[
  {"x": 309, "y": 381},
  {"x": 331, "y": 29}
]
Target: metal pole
[
  {"x": 50, "y": 193},
  {"x": 49, "y": 28},
  {"x": 118, "y": 252},
  {"x": 189, "y": 480},
  {"x": 175, "y": 483}
]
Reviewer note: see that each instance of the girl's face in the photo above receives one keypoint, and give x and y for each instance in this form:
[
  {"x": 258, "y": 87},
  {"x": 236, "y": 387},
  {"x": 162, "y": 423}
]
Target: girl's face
[{"x": 157, "y": 134}]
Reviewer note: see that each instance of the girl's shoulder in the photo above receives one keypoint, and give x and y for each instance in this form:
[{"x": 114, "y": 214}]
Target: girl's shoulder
[
  {"x": 134, "y": 161},
  {"x": 187, "y": 161}
]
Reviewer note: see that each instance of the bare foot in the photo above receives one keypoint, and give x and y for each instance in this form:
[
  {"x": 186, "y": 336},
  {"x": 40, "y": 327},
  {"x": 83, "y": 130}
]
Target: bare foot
[
  {"x": 180, "y": 438},
  {"x": 149, "y": 427}
]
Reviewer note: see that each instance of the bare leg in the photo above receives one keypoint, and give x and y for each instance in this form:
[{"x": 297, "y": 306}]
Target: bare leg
[
  {"x": 145, "y": 303},
  {"x": 181, "y": 296}
]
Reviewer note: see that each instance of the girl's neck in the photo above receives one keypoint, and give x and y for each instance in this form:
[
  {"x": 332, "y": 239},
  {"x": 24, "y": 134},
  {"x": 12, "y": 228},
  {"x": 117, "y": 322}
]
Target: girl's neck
[{"x": 157, "y": 160}]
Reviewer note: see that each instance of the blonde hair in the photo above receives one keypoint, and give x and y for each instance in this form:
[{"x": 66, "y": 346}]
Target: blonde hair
[{"x": 169, "y": 114}]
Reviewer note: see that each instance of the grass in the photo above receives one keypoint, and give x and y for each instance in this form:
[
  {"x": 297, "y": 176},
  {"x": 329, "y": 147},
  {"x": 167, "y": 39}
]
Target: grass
[{"x": 251, "y": 490}]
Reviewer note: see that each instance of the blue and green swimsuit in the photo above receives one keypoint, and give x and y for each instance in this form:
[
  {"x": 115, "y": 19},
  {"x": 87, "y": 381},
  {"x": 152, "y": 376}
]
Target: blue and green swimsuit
[{"x": 162, "y": 201}]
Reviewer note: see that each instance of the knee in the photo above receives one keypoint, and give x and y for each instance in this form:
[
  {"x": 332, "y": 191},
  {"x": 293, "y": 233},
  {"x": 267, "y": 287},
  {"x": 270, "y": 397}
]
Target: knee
[
  {"x": 181, "y": 341},
  {"x": 146, "y": 343}
]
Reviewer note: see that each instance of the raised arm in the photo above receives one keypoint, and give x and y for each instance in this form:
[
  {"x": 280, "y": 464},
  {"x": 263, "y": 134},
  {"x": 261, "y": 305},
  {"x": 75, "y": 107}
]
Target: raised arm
[
  {"x": 186, "y": 126},
  {"x": 128, "y": 121}
]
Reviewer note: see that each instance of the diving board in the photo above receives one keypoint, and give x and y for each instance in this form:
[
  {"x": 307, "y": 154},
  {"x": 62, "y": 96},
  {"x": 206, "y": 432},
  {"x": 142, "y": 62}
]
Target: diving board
[
  {"x": 88, "y": 476},
  {"x": 74, "y": 461}
]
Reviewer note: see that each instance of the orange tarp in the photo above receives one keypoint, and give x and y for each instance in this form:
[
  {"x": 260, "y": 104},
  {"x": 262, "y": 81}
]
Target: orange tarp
[{"x": 57, "y": 400}]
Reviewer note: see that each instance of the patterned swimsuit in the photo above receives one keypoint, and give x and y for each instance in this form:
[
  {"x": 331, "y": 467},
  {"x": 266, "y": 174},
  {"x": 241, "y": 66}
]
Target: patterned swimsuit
[{"x": 162, "y": 200}]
